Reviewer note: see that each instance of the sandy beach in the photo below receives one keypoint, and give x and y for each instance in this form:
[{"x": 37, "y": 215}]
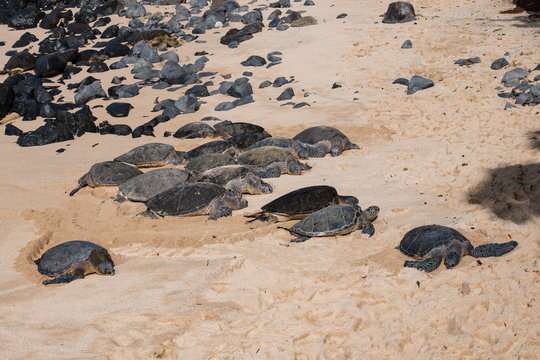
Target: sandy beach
[{"x": 193, "y": 288}]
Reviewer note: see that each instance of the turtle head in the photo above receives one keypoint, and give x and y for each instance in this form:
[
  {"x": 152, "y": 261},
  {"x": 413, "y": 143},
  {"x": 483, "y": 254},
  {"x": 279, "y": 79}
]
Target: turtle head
[
  {"x": 452, "y": 259},
  {"x": 106, "y": 268},
  {"x": 371, "y": 213}
]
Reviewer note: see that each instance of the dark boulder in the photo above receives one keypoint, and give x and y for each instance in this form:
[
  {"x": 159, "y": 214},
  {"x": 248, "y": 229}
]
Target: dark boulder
[
  {"x": 119, "y": 109},
  {"x": 26, "y": 18},
  {"x": 12, "y": 130},
  {"x": 20, "y": 61},
  {"x": 49, "y": 133},
  {"x": 6, "y": 99},
  {"x": 55, "y": 63},
  {"x": 25, "y": 40},
  {"x": 240, "y": 35},
  {"x": 399, "y": 12},
  {"x": 120, "y": 129}
]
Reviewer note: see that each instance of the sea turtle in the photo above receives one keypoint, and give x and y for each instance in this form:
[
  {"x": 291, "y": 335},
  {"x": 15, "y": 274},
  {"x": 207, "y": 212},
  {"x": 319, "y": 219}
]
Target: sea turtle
[
  {"x": 229, "y": 129},
  {"x": 246, "y": 139},
  {"x": 106, "y": 173},
  {"x": 74, "y": 260},
  {"x": 198, "y": 198},
  {"x": 20, "y": 62},
  {"x": 208, "y": 161},
  {"x": 433, "y": 242},
  {"x": 299, "y": 148},
  {"x": 195, "y": 130},
  {"x": 236, "y": 178},
  {"x": 272, "y": 161},
  {"x": 152, "y": 154},
  {"x": 324, "y": 140},
  {"x": 335, "y": 220},
  {"x": 213, "y": 147},
  {"x": 300, "y": 203},
  {"x": 143, "y": 187}
]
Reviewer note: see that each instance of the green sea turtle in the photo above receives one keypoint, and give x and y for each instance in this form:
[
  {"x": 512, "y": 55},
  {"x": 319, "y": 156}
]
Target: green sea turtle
[
  {"x": 208, "y": 161},
  {"x": 152, "y": 154},
  {"x": 246, "y": 139},
  {"x": 144, "y": 186},
  {"x": 200, "y": 198},
  {"x": 300, "y": 203},
  {"x": 213, "y": 147},
  {"x": 229, "y": 129},
  {"x": 74, "y": 260},
  {"x": 195, "y": 130},
  {"x": 106, "y": 173},
  {"x": 299, "y": 148},
  {"x": 335, "y": 220},
  {"x": 236, "y": 178},
  {"x": 324, "y": 140},
  {"x": 272, "y": 161},
  {"x": 432, "y": 243}
]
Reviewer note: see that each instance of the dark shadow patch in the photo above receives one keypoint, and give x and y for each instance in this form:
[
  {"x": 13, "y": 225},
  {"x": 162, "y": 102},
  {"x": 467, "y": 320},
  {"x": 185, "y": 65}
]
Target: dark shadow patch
[
  {"x": 534, "y": 137},
  {"x": 512, "y": 192}
]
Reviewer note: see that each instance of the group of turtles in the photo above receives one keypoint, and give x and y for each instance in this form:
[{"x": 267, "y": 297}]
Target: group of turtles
[{"x": 214, "y": 188}]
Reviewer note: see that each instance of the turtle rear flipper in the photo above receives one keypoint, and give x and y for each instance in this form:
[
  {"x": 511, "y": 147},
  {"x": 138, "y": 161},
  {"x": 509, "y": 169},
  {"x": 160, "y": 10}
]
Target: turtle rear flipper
[
  {"x": 490, "y": 250},
  {"x": 65, "y": 278},
  {"x": 353, "y": 146},
  {"x": 427, "y": 265}
]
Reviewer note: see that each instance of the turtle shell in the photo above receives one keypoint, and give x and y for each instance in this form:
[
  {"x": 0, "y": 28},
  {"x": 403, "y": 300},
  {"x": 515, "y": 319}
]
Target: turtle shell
[
  {"x": 232, "y": 129},
  {"x": 223, "y": 174},
  {"x": 153, "y": 154},
  {"x": 303, "y": 201},
  {"x": 266, "y": 155},
  {"x": 283, "y": 142},
  {"x": 185, "y": 200},
  {"x": 195, "y": 130},
  {"x": 208, "y": 161},
  {"x": 419, "y": 241},
  {"x": 331, "y": 220},
  {"x": 109, "y": 173},
  {"x": 315, "y": 134},
  {"x": 143, "y": 187},
  {"x": 212, "y": 147},
  {"x": 59, "y": 259}
]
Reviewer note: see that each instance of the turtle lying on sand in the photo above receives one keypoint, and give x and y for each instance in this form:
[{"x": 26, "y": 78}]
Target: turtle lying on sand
[
  {"x": 208, "y": 161},
  {"x": 300, "y": 203},
  {"x": 153, "y": 154},
  {"x": 190, "y": 199},
  {"x": 213, "y": 147},
  {"x": 335, "y": 220},
  {"x": 272, "y": 161},
  {"x": 74, "y": 260},
  {"x": 324, "y": 140},
  {"x": 299, "y": 148},
  {"x": 143, "y": 187},
  {"x": 237, "y": 179},
  {"x": 433, "y": 242},
  {"x": 106, "y": 173}
]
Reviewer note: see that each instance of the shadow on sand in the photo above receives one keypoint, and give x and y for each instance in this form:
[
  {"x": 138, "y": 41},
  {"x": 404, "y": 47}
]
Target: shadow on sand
[{"x": 512, "y": 192}]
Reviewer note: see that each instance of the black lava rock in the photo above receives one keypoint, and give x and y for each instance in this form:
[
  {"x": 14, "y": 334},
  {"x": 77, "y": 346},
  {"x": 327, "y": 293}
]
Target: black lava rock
[
  {"x": 119, "y": 109},
  {"x": 287, "y": 94},
  {"x": 254, "y": 60},
  {"x": 499, "y": 64},
  {"x": 399, "y": 12}
]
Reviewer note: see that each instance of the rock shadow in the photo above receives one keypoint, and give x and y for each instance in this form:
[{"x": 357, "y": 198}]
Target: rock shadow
[
  {"x": 512, "y": 192},
  {"x": 534, "y": 137}
]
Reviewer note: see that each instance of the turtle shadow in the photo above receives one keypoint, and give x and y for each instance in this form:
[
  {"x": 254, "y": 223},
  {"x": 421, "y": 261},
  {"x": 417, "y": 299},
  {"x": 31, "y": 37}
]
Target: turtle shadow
[{"x": 511, "y": 192}]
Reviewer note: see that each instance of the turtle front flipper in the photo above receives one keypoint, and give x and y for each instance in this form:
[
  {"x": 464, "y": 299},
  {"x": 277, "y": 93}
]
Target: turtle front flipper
[
  {"x": 82, "y": 183},
  {"x": 65, "y": 278},
  {"x": 427, "y": 265},
  {"x": 489, "y": 250},
  {"x": 300, "y": 238},
  {"x": 268, "y": 172},
  {"x": 221, "y": 211},
  {"x": 368, "y": 228}
]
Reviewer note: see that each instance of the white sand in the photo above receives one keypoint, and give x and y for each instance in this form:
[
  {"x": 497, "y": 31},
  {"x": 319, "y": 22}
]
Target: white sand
[{"x": 190, "y": 288}]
